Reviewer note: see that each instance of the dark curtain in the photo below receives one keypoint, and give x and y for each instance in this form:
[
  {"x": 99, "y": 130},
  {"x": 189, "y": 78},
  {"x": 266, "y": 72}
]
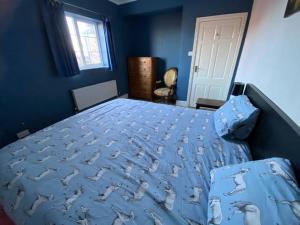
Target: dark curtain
[
  {"x": 109, "y": 44},
  {"x": 59, "y": 38}
]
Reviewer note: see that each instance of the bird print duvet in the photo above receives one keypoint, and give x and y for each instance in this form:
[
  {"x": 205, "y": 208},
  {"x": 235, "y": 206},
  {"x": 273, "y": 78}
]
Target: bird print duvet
[
  {"x": 122, "y": 162},
  {"x": 255, "y": 193}
]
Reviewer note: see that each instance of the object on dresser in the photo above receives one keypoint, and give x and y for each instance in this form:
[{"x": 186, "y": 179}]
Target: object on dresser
[{"x": 142, "y": 77}]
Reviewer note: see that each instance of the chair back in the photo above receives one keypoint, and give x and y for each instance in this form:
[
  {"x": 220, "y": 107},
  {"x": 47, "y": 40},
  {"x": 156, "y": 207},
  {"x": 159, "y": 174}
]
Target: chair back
[{"x": 170, "y": 77}]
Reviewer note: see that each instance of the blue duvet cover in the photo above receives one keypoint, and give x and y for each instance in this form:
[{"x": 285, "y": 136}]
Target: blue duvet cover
[{"x": 122, "y": 162}]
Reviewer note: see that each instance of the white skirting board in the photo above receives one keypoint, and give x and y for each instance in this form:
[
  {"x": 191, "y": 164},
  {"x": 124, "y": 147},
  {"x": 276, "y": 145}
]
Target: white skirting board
[
  {"x": 92, "y": 95},
  {"x": 182, "y": 103}
]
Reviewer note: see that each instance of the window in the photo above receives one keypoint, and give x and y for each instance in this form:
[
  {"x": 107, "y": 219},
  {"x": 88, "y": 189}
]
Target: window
[{"x": 88, "y": 40}]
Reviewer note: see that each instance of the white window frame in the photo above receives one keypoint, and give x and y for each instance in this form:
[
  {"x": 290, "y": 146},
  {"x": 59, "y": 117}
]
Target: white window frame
[{"x": 101, "y": 40}]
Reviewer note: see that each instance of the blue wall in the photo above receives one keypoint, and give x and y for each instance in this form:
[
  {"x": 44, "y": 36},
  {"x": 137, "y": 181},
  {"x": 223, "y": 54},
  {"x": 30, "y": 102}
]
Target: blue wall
[
  {"x": 149, "y": 6},
  {"x": 32, "y": 94},
  {"x": 191, "y": 10},
  {"x": 156, "y": 35}
]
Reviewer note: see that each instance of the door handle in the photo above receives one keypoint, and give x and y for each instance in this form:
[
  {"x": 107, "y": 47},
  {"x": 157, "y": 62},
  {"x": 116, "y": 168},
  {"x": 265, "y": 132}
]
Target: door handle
[{"x": 196, "y": 69}]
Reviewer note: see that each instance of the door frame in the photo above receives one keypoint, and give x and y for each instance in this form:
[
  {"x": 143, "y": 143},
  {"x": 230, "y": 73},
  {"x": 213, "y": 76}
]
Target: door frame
[{"x": 199, "y": 20}]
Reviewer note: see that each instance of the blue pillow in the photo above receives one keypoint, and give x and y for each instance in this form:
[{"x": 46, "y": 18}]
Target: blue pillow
[
  {"x": 254, "y": 193},
  {"x": 236, "y": 118}
]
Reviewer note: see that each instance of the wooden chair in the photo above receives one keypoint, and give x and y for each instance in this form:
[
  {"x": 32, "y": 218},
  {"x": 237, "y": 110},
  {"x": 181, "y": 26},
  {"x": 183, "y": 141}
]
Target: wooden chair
[{"x": 166, "y": 91}]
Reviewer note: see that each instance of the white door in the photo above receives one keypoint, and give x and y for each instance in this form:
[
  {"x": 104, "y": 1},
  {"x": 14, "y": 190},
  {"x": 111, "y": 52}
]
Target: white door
[{"x": 216, "y": 47}]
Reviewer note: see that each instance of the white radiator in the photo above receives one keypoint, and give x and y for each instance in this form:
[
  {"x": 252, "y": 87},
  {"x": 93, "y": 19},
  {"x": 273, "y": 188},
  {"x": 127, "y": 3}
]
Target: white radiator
[{"x": 92, "y": 95}]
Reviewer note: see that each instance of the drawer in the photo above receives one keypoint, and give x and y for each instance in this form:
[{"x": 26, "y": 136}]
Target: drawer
[
  {"x": 145, "y": 88},
  {"x": 141, "y": 86},
  {"x": 141, "y": 65},
  {"x": 140, "y": 78},
  {"x": 141, "y": 61},
  {"x": 141, "y": 70}
]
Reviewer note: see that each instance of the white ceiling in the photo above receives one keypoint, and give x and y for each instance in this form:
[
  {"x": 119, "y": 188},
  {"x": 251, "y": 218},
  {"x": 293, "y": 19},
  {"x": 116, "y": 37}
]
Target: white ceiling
[{"x": 121, "y": 2}]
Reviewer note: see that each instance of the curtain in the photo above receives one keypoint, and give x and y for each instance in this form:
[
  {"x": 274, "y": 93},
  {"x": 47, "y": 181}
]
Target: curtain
[
  {"x": 59, "y": 38},
  {"x": 109, "y": 44}
]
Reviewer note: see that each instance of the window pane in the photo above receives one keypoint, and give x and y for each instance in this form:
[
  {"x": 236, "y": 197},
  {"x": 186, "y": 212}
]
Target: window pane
[
  {"x": 87, "y": 29},
  {"x": 75, "y": 41},
  {"x": 89, "y": 41}
]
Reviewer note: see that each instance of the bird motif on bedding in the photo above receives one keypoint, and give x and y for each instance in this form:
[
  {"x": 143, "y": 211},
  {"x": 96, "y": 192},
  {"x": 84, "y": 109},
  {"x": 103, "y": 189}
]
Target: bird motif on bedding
[
  {"x": 70, "y": 200},
  {"x": 139, "y": 193},
  {"x": 278, "y": 171},
  {"x": 42, "y": 160},
  {"x": 99, "y": 174},
  {"x": 69, "y": 145},
  {"x": 43, "y": 174},
  {"x": 175, "y": 171},
  {"x": 200, "y": 150},
  {"x": 195, "y": 198},
  {"x": 44, "y": 140},
  {"x": 44, "y": 149},
  {"x": 17, "y": 176},
  {"x": 37, "y": 203},
  {"x": 115, "y": 155},
  {"x": 66, "y": 180},
  {"x": 198, "y": 168},
  {"x": 93, "y": 159},
  {"x": 170, "y": 198},
  {"x": 180, "y": 152},
  {"x": 128, "y": 168},
  {"x": 217, "y": 216},
  {"x": 108, "y": 191},
  {"x": 16, "y": 152},
  {"x": 156, "y": 219},
  {"x": 76, "y": 153},
  {"x": 140, "y": 153},
  {"x": 251, "y": 212},
  {"x": 122, "y": 217},
  {"x": 109, "y": 144},
  {"x": 14, "y": 163},
  {"x": 19, "y": 198},
  {"x": 154, "y": 166},
  {"x": 240, "y": 184},
  {"x": 160, "y": 150}
]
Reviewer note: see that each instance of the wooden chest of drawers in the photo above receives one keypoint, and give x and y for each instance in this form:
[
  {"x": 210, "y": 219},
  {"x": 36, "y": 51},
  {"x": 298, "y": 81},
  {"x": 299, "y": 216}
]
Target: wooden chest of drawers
[{"x": 142, "y": 77}]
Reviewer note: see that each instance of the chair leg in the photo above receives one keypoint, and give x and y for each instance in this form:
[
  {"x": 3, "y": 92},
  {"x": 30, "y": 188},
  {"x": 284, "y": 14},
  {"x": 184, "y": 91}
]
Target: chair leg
[{"x": 170, "y": 100}]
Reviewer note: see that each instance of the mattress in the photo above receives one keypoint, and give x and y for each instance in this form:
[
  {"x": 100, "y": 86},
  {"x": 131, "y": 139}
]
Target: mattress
[{"x": 122, "y": 162}]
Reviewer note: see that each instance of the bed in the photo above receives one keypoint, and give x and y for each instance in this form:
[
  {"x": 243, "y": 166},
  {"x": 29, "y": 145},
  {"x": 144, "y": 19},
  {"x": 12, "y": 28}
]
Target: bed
[{"x": 126, "y": 162}]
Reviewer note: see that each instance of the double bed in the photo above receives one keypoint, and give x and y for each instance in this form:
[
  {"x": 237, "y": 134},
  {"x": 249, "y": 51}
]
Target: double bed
[{"x": 127, "y": 162}]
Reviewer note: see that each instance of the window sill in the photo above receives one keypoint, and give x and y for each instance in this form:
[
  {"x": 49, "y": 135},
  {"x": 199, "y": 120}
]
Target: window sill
[{"x": 91, "y": 67}]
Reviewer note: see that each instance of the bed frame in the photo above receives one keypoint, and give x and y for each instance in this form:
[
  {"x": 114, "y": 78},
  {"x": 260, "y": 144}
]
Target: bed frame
[{"x": 275, "y": 134}]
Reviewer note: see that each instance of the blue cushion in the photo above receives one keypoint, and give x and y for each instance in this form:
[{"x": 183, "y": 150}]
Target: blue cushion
[
  {"x": 236, "y": 118},
  {"x": 254, "y": 193}
]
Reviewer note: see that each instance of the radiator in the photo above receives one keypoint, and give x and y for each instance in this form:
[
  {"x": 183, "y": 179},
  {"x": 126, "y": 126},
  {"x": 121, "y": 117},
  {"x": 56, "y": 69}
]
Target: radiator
[{"x": 92, "y": 95}]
